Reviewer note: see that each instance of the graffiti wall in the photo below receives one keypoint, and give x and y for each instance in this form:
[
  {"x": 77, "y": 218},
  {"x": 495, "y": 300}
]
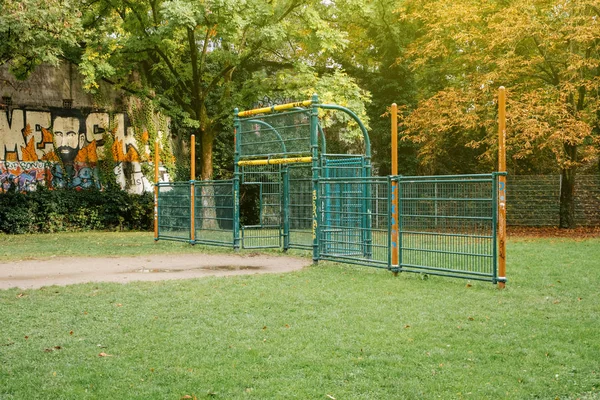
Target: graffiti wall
[{"x": 61, "y": 148}]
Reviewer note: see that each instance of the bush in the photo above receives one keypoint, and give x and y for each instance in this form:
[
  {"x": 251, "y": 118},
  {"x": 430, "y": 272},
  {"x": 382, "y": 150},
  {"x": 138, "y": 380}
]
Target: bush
[{"x": 46, "y": 210}]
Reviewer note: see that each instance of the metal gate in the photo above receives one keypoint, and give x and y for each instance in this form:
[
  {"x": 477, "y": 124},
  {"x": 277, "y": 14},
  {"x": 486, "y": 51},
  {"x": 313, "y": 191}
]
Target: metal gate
[
  {"x": 261, "y": 207},
  {"x": 447, "y": 226},
  {"x": 355, "y": 220}
]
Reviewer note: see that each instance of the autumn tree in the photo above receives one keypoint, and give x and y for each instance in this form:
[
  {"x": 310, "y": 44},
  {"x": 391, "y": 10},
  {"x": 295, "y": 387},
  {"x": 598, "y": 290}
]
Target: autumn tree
[{"x": 546, "y": 52}]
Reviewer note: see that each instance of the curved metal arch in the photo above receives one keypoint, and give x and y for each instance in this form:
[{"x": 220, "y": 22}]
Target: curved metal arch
[
  {"x": 269, "y": 126},
  {"x": 356, "y": 119}
]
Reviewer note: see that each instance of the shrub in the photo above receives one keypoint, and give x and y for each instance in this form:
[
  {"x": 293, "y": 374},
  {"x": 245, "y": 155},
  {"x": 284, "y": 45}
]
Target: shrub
[{"x": 46, "y": 210}]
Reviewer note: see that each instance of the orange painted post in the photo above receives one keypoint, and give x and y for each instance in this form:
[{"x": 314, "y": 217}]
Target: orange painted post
[
  {"x": 394, "y": 172},
  {"x": 193, "y": 189},
  {"x": 156, "y": 160},
  {"x": 502, "y": 187}
]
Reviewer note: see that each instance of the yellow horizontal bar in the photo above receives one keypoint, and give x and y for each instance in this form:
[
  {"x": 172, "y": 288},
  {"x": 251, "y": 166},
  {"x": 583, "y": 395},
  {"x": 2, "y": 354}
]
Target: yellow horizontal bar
[
  {"x": 274, "y": 161},
  {"x": 280, "y": 107}
]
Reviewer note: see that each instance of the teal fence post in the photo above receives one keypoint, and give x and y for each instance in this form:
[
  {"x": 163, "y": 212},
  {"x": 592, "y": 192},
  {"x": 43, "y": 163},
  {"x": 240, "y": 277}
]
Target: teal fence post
[
  {"x": 236, "y": 180},
  {"x": 399, "y": 223},
  {"x": 495, "y": 227},
  {"x": 314, "y": 151},
  {"x": 285, "y": 175}
]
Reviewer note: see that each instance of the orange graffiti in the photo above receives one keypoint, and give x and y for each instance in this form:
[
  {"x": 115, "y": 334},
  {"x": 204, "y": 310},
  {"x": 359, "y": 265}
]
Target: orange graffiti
[
  {"x": 88, "y": 153},
  {"x": 46, "y": 139},
  {"x": 29, "y": 153}
]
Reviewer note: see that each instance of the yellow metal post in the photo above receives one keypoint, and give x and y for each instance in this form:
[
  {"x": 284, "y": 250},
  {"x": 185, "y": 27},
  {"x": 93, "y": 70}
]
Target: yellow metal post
[
  {"x": 502, "y": 187},
  {"x": 156, "y": 160},
  {"x": 394, "y": 172},
  {"x": 193, "y": 189}
]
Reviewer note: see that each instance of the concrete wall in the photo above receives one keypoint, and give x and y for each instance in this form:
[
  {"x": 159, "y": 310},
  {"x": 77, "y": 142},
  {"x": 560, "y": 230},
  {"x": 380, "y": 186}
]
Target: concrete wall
[{"x": 44, "y": 142}]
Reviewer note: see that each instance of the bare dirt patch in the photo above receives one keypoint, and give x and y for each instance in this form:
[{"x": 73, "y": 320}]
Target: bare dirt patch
[{"x": 33, "y": 274}]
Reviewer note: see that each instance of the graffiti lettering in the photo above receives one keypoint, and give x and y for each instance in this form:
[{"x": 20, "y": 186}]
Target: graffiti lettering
[{"x": 60, "y": 148}]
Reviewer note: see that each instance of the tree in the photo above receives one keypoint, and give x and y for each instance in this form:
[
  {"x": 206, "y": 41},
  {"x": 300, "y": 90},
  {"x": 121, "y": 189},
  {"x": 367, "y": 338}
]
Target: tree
[
  {"x": 33, "y": 32},
  {"x": 186, "y": 54},
  {"x": 546, "y": 53}
]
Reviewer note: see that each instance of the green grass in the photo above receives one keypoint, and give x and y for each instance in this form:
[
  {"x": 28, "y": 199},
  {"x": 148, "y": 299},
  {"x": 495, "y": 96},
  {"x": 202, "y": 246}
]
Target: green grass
[{"x": 343, "y": 331}]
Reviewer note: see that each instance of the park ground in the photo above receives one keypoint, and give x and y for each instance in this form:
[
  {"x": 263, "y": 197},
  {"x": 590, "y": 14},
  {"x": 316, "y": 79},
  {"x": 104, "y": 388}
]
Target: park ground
[{"x": 320, "y": 332}]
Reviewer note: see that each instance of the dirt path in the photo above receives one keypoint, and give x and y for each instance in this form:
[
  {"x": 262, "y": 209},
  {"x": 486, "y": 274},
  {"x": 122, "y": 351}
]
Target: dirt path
[{"x": 33, "y": 274}]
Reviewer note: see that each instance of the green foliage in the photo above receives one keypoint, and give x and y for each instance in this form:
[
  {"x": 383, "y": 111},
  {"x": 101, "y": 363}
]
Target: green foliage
[
  {"x": 37, "y": 31},
  {"x": 46, "y": 210}
]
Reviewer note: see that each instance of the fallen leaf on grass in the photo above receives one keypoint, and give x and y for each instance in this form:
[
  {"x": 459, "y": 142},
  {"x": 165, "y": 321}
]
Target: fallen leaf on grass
[
  {"x": 468, "y": 285},
  {"x": 71, "y": 332},
  {"x": 471, "y": 319},
  {"x": 21, "y": 295},
  {"x": 187, "y": 396},
  {"x": 104, "y": 355},
  {"x": 406, "y": 326}
]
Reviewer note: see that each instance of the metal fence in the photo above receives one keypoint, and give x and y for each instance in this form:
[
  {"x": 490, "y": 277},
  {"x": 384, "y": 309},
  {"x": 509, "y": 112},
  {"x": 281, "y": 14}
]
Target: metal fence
[
  {"x": 447, "y": 226},
  {"x": 174, "y": 211},
  {"x": 534, "y": 200},
  {"x": 214, "y": 212},
  {"x": 355, "y": 220}
]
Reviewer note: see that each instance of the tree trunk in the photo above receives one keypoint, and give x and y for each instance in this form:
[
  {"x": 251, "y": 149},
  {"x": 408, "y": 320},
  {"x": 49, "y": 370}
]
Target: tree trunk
[
  {"x": 567, "y": 191},
  {"x": 209, "y": 211}
]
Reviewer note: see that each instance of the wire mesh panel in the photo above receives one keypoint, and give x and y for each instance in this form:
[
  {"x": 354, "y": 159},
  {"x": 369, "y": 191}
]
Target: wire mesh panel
[
  {"x": 342, "y": 166},
  {"x": 533, "y": 200},
  {"x": 587, "y": 200},
  {"x": 275, "y": 135},
  {"x": 174, "y": 211},
  {"x": 214, "y": 212},
  {"x": 447, "y": 226},
  {"x": 261, "y": 209},
  {"x": 300, "y": 206},
  {"x": 355, "y": 220}
]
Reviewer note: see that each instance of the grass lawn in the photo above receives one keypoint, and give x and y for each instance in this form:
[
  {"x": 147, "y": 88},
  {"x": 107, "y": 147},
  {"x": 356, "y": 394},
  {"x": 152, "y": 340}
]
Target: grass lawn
[{"x": 328, "y": 331}]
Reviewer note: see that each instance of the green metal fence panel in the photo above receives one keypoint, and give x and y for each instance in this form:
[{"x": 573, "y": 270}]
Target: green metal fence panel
[
  {"x": 300, "y": 206},
  {"x": 214, "y": 212},
  {"x": 355, "y": 220},
  {"x": 275, "y": 135},
  {"x": 447, "y": 225},
  {"x": 174, "y": 211},
  {"x": 261, "y": 194}
]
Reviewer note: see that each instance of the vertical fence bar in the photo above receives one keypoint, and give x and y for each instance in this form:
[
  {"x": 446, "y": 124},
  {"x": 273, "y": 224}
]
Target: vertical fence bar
[
  {"x": 236, "y": 180},
  {"x": 502, "y": 187},
  {"x": 286, "y": 207},
  {"x": 394, "y": 172},
  {"x": 156, "y": 160},
  {"x": 193, "y": 189},
  {"x": 314, "y": 147}
]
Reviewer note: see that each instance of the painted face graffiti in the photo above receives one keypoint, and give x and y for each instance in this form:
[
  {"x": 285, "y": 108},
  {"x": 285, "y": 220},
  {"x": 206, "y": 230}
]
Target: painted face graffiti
[{"x": 68, "y": 140}]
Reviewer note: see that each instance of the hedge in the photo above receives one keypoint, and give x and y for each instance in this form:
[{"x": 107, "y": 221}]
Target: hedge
[{"x": 45, "y": 211}]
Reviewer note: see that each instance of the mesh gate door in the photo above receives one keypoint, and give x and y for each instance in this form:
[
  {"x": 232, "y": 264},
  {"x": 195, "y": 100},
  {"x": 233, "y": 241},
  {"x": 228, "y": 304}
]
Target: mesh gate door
[{"x": 260, "y": 208}]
